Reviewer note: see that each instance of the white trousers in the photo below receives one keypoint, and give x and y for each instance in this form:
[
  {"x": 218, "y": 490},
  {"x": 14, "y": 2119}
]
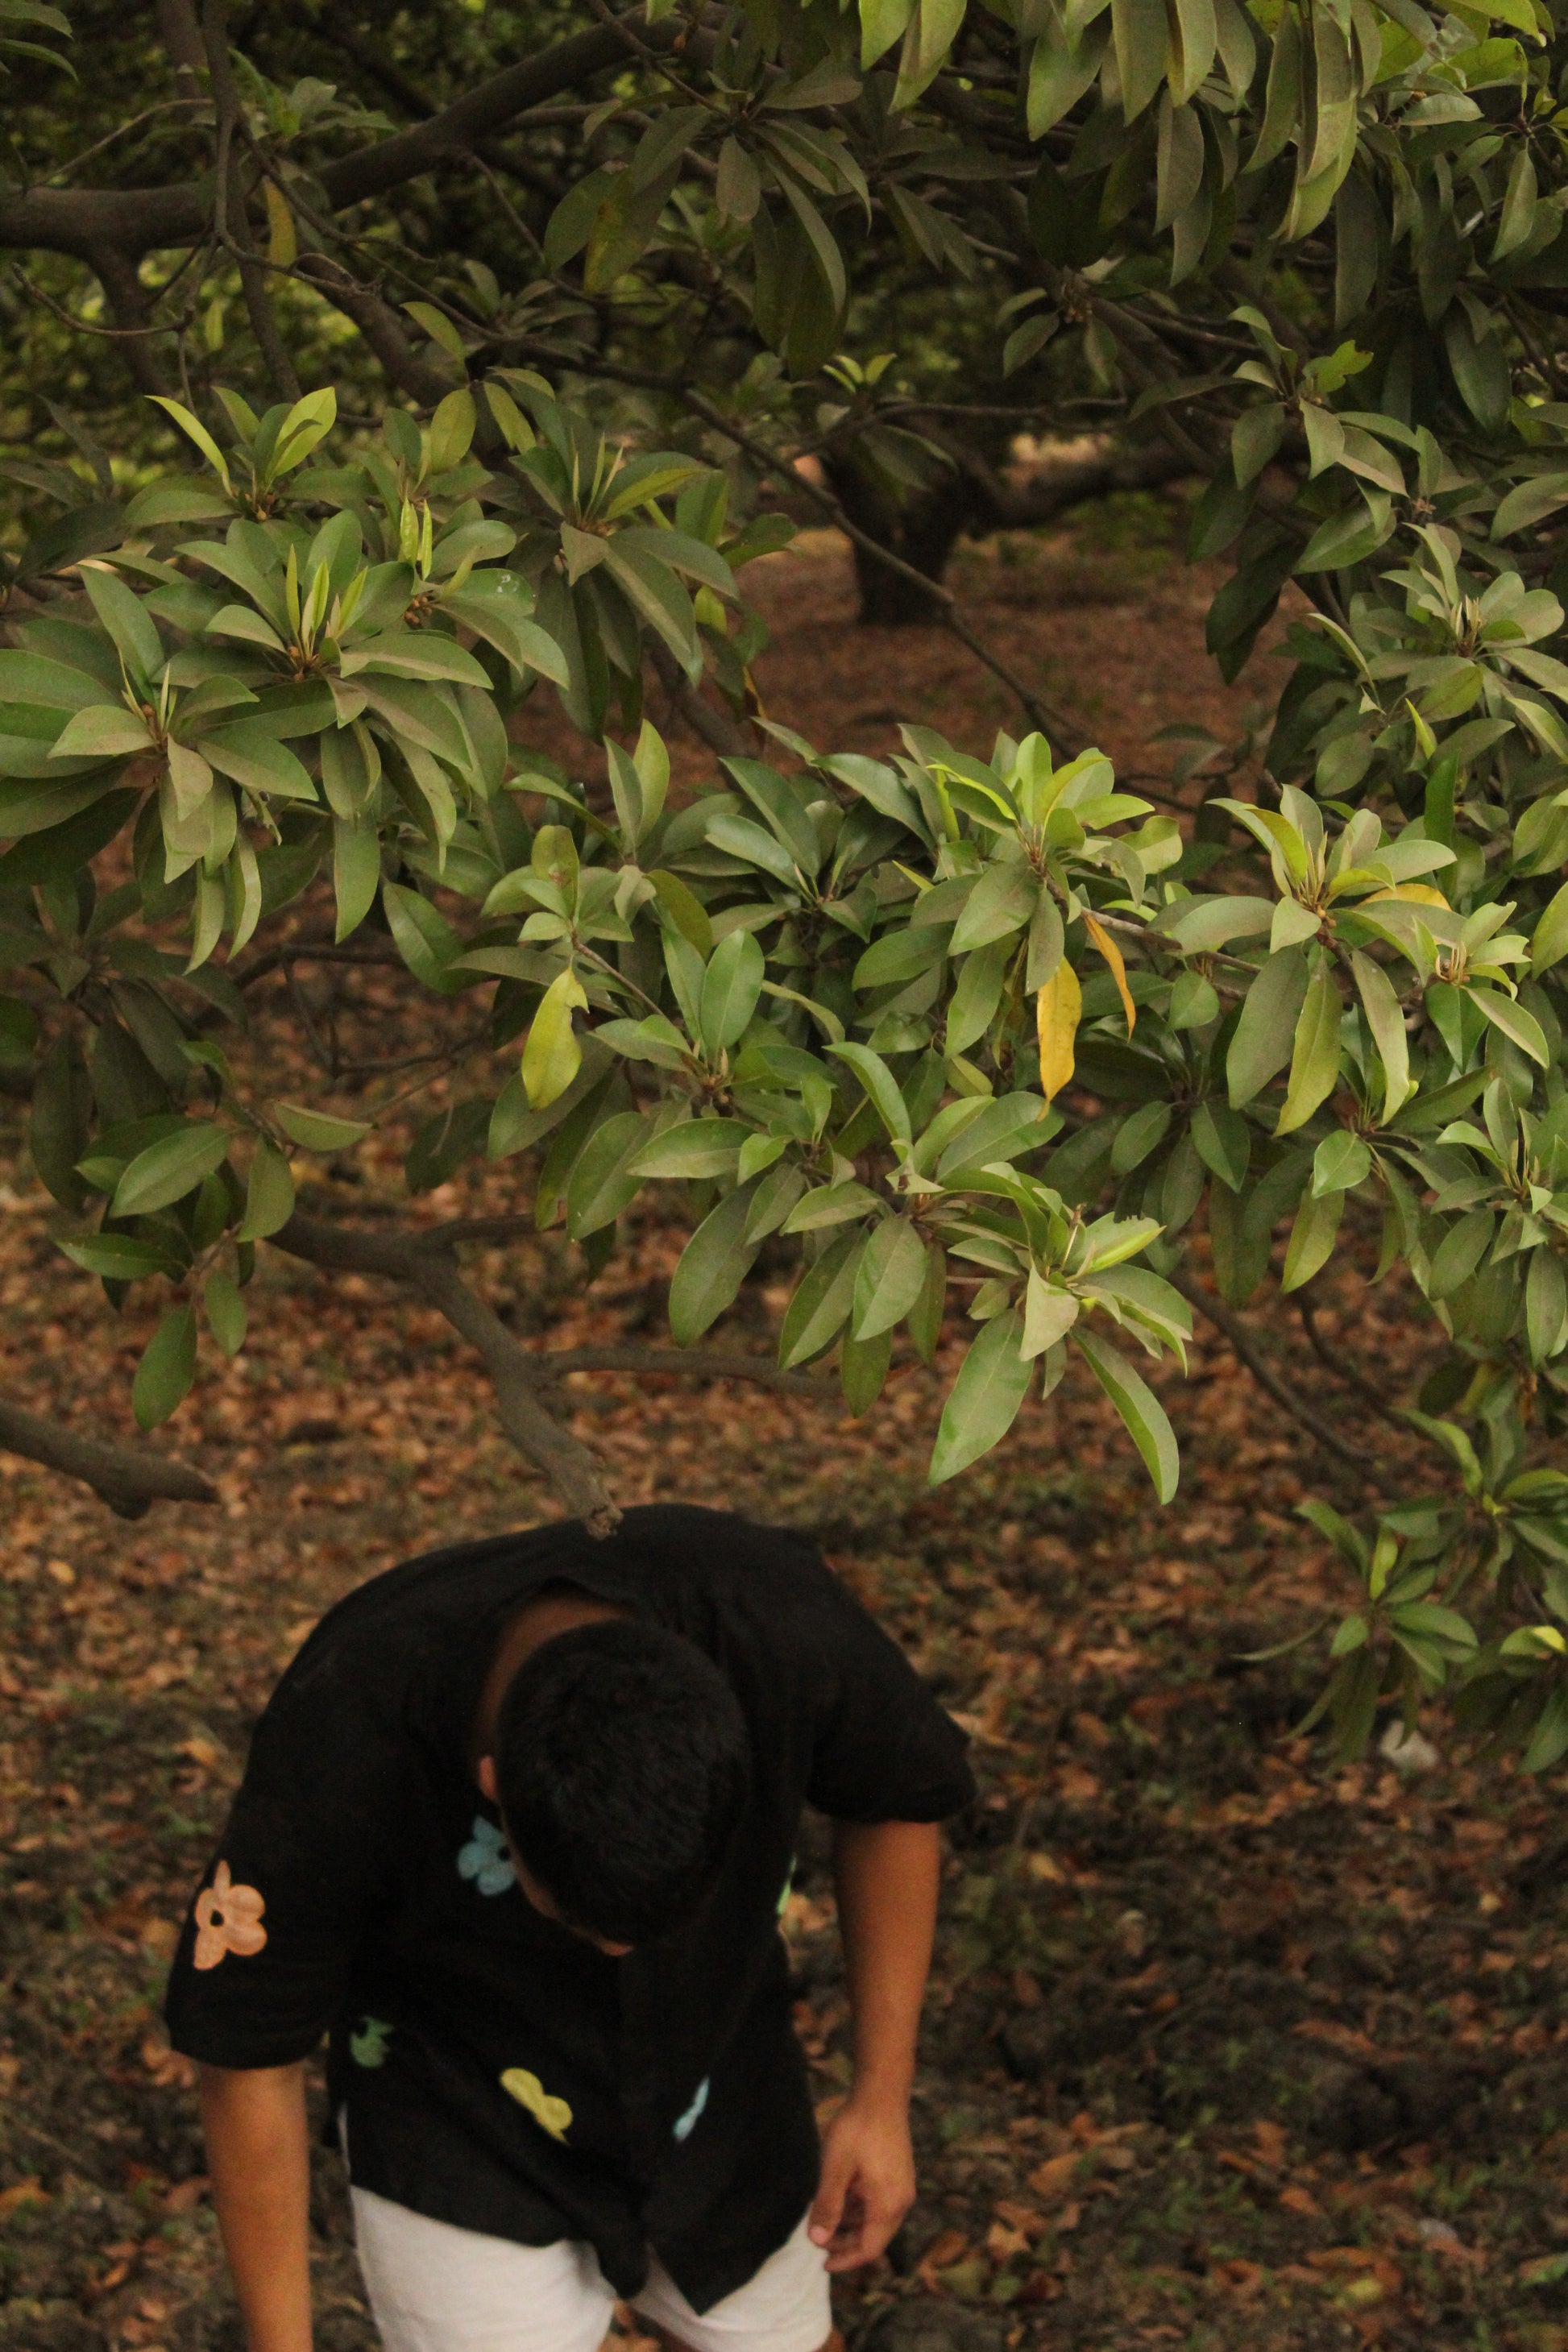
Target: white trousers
[{"x": 437, "y": 2288}]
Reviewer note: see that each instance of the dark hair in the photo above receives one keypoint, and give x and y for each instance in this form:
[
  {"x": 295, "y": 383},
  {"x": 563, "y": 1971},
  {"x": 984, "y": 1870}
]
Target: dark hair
[{"x": 622, "y": 1764}]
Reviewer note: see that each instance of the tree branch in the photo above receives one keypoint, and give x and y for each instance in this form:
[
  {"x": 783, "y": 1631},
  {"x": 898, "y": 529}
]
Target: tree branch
[
  {"x": 715, "y": 727},
  {"x": 473, "y": 118},
  {"x": 134, "y": 220},
  {"x": 425, "y": 1263},
  {"x": 379, "y": 324},
  {"x": 1364, "y": 1465},
  {"x": 699, "y": 1363},
  {"x": 229, "y": 204},
  {"x": 128, "y": 1479}
]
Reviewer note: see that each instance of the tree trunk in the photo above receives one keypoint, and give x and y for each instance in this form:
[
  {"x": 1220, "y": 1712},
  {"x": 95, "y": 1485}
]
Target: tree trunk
[
  {"x": 967, "y": 502},
  {"x": 923, "y": 530}
]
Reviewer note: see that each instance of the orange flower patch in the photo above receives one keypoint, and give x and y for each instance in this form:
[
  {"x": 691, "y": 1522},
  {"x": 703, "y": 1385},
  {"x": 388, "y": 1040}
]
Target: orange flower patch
[{"x": 229, "y": 1919}]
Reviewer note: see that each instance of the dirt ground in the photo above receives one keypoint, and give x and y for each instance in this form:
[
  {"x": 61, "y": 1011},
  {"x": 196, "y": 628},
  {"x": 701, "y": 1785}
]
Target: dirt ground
[{"x": 1225, "y": 2047}]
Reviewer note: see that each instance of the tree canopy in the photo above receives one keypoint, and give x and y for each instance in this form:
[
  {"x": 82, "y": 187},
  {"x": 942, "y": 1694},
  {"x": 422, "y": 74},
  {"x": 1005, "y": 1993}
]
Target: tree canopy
[{"x": 407, "y": 375}]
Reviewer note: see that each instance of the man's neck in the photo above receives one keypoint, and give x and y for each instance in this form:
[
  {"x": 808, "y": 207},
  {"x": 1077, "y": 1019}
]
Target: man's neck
[{"x": 559, "y": 1610}]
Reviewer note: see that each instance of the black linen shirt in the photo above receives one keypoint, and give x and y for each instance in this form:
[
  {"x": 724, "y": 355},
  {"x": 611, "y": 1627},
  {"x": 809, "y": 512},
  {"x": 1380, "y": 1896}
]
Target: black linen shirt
[{"x": 498, "y": 2071}]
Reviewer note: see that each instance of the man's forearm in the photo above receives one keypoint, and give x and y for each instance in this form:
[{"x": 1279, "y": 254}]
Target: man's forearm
[
  {"x": 259, "y": 2157},
  {"x": 887, "y": 1876}
]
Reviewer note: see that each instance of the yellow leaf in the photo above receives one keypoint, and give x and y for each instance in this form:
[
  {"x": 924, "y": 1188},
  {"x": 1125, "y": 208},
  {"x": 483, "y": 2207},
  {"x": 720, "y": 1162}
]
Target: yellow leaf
[
  {"x": 1058, "y": 1006},
  {"x": 1422, "y": 892},
  {"x": 282, "y": 244},
  {"x": 1113, "y": 954},
  {"x": 553, "y": 2115}
]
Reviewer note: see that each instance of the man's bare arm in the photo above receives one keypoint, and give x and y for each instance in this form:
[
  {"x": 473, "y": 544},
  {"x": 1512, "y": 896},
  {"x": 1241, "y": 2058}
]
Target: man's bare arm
[
  {"x": 887, "y": 1874},
  {"x": 259, "y": 2157}
]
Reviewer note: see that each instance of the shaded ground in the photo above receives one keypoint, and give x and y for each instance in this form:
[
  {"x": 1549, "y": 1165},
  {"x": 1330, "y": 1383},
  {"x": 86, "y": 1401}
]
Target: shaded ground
[{"x": 1225, "y": 2049}]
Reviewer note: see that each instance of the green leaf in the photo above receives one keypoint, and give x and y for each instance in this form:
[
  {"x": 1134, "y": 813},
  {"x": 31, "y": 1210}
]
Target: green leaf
[
  {"x": 1223, "y": 1142},
  {"x": 1315, "y": 1058},
  {"x": 863, "y": 1369},
  {"x": 316, "y": 1130},
  {"x": 1265, "y": 1034},
  {"x": 1545, "y": 1306},
  {"x": 249, "y": 753},
  {"x": 604, "y": 1180},
  {"x": 698, "y": 1147},
  {"x": 983, "y": 1404},
  {"x": 1002, "y": 901},
  {"x": 1312, "y": 1238},
  {"x": 198, "y": 432},
  {"x": 881, "y": 1087},
  {"x": 424, "y": 938},
  {"x": 890, "y": 1277},
  {"x": 1385, "y": 1019},
  {"x": 106, "y": 731},
  {"x": 356, "y": 872},
  {"x": 117, "y": 1258},
  {"x": 1515, "y": 1022},
  {"x": 553, "y": 1055},
  {"x": 128, "y": 624},
  {"x": 882, "y": 22},
  {"x": 831, "y": 1204},
  {"x": 822, "y": 1302},
  {"x": 1049, "y": 1314},
  {"x": 170, "y": 1169},
  {"x": 1341, "y": 1163},
  {"x": 1138, "y": 32},
  {"x": 268, "y": 1196},
  {"x": 59, "y": 852},
  {"x": 713, "y": 1264},
  {"x": 226, "y": 1316},
  {"x": 731, "y": 985},
  {"x": 168, "y": 1367},
  {"x": 1530, "y": 501},
  {"x": 685, "y": 910},
  {"x": 1141, "y": 1409}
]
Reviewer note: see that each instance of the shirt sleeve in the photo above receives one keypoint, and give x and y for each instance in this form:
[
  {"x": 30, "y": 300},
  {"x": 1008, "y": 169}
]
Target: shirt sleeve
[
  {"x": 265, "y": 1958},
  {"x": 882, "y": 1749}
]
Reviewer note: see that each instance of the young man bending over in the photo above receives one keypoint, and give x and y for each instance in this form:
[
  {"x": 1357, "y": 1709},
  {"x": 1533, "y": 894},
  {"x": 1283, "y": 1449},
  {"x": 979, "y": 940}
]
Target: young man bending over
[{"x": 516, "y": 1830}]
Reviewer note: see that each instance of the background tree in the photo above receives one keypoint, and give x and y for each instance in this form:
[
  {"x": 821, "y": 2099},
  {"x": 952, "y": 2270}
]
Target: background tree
[{"x": 539, "y": 306}]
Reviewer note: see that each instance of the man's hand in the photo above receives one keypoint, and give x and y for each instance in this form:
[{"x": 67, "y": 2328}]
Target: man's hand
[{"x": 867, "y": 2181}]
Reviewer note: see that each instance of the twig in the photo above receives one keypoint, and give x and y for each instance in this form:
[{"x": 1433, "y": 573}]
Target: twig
[
  {"x": 1344, "y": 1367},
  {"x": 128, "y": 1479},
  {"x": 227, "y": 193},
  {"x": 702, "y": 1364},
  {"x": 1364, "y": 1466}
]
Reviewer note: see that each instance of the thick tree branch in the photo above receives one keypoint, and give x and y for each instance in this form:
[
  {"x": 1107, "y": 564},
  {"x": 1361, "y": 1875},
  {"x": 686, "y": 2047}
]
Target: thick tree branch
[
  {"x": 482, "y": 112},
  {"x": 129, "y": 1480},
  {"x": 134, "y": 220},
  {"x": 1357, "y": 1460}
]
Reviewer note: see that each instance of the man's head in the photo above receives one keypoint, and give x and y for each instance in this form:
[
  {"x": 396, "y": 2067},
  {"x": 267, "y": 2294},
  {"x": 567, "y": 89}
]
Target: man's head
[{"x": 621, "y": 1766}]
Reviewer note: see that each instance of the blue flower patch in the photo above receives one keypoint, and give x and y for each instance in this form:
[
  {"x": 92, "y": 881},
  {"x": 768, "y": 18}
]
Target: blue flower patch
[
  {"x": 687, "y": 2124},
  {"x": 485, "y": 1859}
]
